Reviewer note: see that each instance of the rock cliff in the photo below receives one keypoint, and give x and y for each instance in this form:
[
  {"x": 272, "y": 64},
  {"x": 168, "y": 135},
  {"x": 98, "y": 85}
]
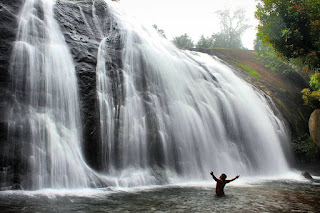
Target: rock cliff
[{"x": 84, "y": 25}]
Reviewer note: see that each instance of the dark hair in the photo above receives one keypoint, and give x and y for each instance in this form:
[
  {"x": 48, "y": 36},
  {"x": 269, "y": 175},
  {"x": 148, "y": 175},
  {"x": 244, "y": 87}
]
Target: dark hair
[{"x": 223, "y": 176}]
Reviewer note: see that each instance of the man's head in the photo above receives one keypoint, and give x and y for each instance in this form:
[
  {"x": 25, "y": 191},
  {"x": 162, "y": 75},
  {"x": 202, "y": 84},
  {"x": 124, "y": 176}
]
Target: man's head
[{"x": 223, "y": 176}]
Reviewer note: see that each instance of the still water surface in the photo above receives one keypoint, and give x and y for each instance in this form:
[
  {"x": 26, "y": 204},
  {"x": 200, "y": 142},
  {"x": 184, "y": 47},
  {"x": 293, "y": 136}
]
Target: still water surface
[{"x": 266, "y": 196}]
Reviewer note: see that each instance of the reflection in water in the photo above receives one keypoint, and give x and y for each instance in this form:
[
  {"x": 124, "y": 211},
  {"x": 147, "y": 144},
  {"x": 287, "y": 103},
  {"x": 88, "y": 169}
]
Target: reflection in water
[{"x": 273, "y": 196}]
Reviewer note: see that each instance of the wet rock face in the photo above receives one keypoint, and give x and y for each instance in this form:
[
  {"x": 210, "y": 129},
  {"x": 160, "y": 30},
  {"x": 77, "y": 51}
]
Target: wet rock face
[
  {"x": 8, "y": 12},
  {"x": 314, "y": 126},
  {"x": 84, "y": 25},
  {"x": 10, "y": 167}
]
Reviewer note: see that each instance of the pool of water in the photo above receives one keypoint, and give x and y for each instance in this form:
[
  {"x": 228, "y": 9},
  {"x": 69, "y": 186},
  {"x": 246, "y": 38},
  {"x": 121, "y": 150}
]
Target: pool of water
[{"x": 263, "y": 196}]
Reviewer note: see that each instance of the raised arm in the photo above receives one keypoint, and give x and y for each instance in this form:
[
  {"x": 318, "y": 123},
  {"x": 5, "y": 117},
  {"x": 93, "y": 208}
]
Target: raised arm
[
  {"x": 228, "y": 181},
  {"x": 214, "y": 177}
]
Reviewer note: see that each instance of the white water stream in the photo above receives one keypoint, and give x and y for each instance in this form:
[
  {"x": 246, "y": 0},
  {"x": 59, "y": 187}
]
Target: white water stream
[{"x": 47, "y": 103}]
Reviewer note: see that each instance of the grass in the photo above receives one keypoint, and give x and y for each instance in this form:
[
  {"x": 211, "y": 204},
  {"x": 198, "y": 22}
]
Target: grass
[{"x": 249, "y": 70}]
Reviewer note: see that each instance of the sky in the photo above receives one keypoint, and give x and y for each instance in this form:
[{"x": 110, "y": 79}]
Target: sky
[{"x": 194, "y": 17}]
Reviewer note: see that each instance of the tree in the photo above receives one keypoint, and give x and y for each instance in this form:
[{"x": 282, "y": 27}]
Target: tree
[
  {"x": 311, "y": 96},
  {"x": 160, "y": 31},
  {"x": 204, "y": 43},
  {"x": 292, "y": 27},
  {"x": 232, "y": 28},
  {"x": 183, "y": 41},
  {"x": 271, "y": 58}
]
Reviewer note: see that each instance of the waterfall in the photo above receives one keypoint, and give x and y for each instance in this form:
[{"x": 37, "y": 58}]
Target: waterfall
[
  {"x": 164, "y": 115},
  {"x": 45, "y": 117},
  {"x": 184, "y": 114}
]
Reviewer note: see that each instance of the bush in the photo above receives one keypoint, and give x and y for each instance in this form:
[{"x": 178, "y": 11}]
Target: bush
[
  {"x": 315, "y": 81},
  {"x": 312, "y": 97},
  {"x": 272, "y": 59},
  {"x": 183, "y": 41},
  {"x": 305, "y": 150}
]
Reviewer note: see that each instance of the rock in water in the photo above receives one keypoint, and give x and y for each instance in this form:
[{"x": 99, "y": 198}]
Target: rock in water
[{"x": 307, "y": 175}]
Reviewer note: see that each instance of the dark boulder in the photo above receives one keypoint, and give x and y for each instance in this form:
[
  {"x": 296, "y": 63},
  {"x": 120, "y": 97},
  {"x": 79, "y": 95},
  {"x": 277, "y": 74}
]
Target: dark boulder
[
  {"x": 307, "y": 175},
  {"x": 314, "y": 126}
]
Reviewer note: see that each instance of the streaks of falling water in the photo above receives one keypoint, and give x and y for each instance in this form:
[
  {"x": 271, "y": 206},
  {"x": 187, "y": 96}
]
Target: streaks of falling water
[
  {"x": 186, "y": 113},
  {"x": 47, "y": 102}
]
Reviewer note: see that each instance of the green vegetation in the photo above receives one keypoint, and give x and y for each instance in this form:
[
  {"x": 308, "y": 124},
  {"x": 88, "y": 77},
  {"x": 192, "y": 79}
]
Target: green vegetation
[
  {"x": 160, "y": 31},
  {"x": 305, "y": 150},
  {"x": 272, "y": 59},
  {"x": 204, "y": 43},
  {"x": 283, "y": 90},
  {"x": 183, "y": 41},
  {"x": 311, "y": 96},
  {"x": 248, "y": 69},
  {"x": 232, "y": 28},
  {"x": 314, "y": 81},
  {"x": 292, "y": 28},
  {"x": 232, "y": 25}
]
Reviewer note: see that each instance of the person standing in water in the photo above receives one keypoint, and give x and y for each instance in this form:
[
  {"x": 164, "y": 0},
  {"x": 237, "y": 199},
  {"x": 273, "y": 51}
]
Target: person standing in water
[{"x": 221, "y": 182}]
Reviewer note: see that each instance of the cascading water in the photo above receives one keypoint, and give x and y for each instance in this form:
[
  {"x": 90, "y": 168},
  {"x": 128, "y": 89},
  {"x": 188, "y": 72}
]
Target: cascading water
[
  {"x": 165, "y": 115},
  {"x": 184, "y": 114},
  {"x": 45, "y": 118}
]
